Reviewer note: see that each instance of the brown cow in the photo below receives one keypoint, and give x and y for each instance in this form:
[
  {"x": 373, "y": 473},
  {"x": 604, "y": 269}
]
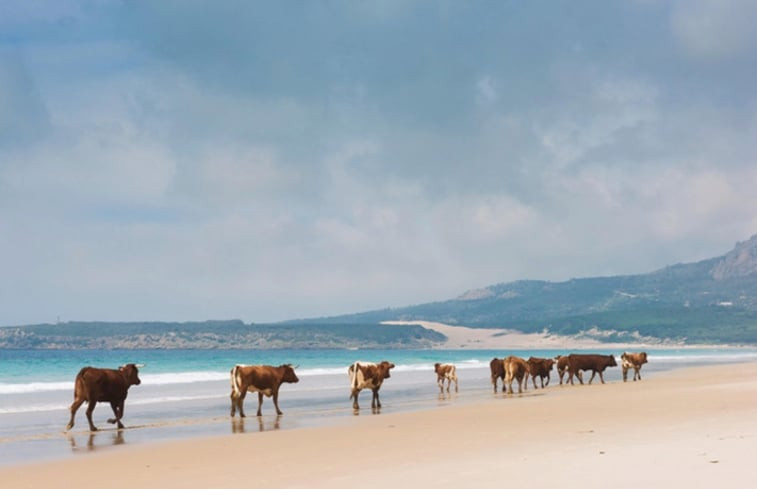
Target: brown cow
[
  {"x": 367, "y": 375},
  {"x": 103, "y": 385},
  {"x": 595, "y": 363},
  {"x": 448, "y": 372},
  {"x": 541, "y": 367},
  {"x": 516, "y": 368},
  {"x": 263, "y": 379},
  {"x": 497, "y": 367},
  {"x": 635, "y": 361},
  {"x": 562, "y": 366}
]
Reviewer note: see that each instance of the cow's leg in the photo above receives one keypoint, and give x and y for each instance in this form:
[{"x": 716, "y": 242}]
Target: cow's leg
[
  {"x": 354, "y": 395},
  {"x": 494, "y": 383},
  {"x": 601, "y": 377},
  {"x": 440, "y": 383},
  {"x": 90, "y": 408},
  {"x": 74, "y": 407},
  {"x": 593, "y": 374},
  {"x": 233, "y": 404},
  {"x": 456, "y": 384},
  {"x": 240, "y": 402},
  {"x": 637, "y": 372},
  {"x": 375, "y": 402},
  {"x": 625, "y": 374},
  {"x": 118, "y": 411},
  {"x": 260, "y": 404},
  {"x": 449, "y": 383},
  {"x": 276, "y": 402}
]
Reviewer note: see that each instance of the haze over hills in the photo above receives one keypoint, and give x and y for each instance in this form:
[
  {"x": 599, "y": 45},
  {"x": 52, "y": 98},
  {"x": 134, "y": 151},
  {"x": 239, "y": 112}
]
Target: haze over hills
[
  {"x": 713, "y": 300},
  {"x": 710, "y": 301}
]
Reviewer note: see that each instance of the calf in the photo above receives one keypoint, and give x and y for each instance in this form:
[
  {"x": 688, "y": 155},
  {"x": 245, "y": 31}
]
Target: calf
[
  {"x": 445, "y": 371},
  {"x": 263, "y": 379},
  {"x": 497, "y": 367},
  {"x": 516, "y": 368},
  {"x": 366, "y": 375},
  {"x": 541, "y": 367},
  {"x": 103, "y": 385},
  {"x": 595, "y": 363},
  {"x": 635, "y": 361}
]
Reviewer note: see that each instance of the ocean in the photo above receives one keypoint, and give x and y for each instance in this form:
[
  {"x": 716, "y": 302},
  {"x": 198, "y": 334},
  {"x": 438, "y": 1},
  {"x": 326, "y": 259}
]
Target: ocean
[{"x": 185, "y": 393}]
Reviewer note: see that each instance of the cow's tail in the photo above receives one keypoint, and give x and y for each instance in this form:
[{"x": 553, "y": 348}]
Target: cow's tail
[
  {"x": 235, "y": 390},
  {"x": 353, "y": 370}
]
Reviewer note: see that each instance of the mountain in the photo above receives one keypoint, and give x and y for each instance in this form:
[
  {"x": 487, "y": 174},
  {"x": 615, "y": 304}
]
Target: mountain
[
  {"x": 713, "y": 300},
  {"x": 710, "y": 301}
]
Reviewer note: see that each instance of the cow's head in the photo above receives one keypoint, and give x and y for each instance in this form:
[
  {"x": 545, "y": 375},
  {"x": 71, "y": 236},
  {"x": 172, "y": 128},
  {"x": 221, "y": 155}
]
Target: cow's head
[
  {"x": 130, "y": 373},
  {"x": 289, "y": 375},
  {"x": 611, "y": 361},
  {"x": 643, "y": 357},
  {"x": 385, "y": 367},
  {"x": 436, "y": 367}
]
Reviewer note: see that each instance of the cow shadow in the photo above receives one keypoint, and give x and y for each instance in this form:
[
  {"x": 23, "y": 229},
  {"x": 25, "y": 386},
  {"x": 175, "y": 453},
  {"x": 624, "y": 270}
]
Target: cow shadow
[
  {"x": 238, "y": 425},
  {"x": 96, "y": 440}
]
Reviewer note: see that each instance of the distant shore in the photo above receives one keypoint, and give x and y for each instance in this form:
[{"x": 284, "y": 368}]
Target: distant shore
[{"x": 693, "y": 427}]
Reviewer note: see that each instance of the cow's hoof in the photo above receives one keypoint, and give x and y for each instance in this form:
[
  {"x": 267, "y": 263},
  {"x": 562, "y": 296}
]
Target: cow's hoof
[
  {"x": 112, "y": 420},
  {"x": 69, "y": 426}
]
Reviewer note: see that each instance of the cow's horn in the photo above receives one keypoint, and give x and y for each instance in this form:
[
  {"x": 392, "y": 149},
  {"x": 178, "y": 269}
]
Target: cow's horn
[{"x": 139, "y": 365}]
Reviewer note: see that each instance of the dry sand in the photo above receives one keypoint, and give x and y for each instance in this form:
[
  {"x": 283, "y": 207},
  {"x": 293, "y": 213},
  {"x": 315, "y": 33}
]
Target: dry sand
[{"x": 689, "y": 428}]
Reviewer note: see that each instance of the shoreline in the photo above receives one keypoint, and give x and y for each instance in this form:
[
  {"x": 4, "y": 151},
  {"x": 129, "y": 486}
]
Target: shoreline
[{"x": 693, "y": 425}]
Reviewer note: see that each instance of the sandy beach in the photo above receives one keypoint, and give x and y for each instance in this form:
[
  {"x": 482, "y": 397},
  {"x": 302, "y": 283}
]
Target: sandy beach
[{"x": 694, "y": 427}]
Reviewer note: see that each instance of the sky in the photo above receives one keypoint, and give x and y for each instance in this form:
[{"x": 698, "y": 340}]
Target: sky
[{"x": 183, "y": 160}]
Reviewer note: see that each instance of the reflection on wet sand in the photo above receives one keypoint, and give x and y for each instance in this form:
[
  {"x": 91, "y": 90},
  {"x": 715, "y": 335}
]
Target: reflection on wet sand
[
  {"x": 238, "y": 424},
  {"x": 445, "y": 396},
  {"x": 95, "y": 440},
  {"x": 374, "y": 410}
]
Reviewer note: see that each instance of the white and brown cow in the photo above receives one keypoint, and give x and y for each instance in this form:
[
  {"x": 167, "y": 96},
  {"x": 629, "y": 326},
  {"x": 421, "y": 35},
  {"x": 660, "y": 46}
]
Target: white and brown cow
[
  {"x": 367, "y": 375},
  {"x": 448, "y": 372},
  {"x": 263, "y": 379},
  {"x": 634, "y": 361},
  {"x": 516, "y": 369}
]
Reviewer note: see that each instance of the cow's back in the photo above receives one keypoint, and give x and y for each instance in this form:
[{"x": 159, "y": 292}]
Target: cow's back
[{"x": 100, "y": 384}]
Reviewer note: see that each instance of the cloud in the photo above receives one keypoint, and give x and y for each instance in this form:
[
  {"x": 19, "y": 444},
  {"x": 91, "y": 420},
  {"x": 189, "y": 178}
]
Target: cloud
[
  {"x": 715, "y": 29},
  {"x": 177, "y": 161}
]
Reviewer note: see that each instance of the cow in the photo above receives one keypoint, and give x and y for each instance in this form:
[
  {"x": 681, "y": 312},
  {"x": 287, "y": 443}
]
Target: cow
[
  {"x": 448, "y": 372},
  {"x": 562, "y": 365},
  {"x": 595, "y": 363},
  {"x": 635, "y": 361},
  {"x": 367, "y": 375},
  {"x": 497, "y": 367},
  {"x": 516, "y": 368},
  {"x": 263, "y": 379},
  {"x": 541, "y": 367},
  {"x": 103, "y": 385}
]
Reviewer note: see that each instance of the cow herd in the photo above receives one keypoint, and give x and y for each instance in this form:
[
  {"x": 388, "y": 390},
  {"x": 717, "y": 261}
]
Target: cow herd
[{"x": 111, "y": 385}]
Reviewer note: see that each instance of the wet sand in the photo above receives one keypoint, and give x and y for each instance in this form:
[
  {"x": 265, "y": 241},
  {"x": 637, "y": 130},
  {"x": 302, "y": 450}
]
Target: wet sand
[{"x": 694, "y": 427}]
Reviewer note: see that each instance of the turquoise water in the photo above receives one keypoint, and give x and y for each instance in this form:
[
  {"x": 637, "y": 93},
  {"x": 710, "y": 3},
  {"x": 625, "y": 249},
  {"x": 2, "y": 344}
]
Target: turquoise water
[{"x": 184, "y": 393}]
